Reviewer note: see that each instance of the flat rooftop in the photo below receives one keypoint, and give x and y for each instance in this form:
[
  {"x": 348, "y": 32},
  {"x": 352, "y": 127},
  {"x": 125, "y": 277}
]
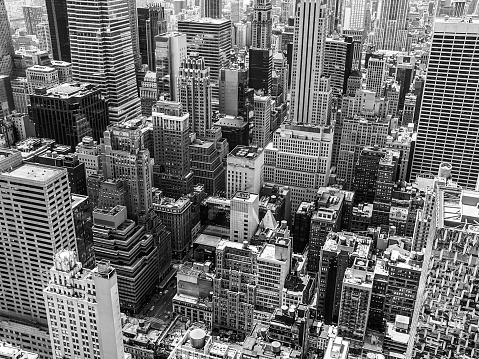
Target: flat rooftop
[
  {"x": 34, "y": 172},
  {"x": 249, "y": 152}
]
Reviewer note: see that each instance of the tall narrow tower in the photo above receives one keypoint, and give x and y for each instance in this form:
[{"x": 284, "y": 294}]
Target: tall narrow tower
[
  {"x": 391, "y": 30},
  {"x": 310, "y": 91},
  {"x": 262, "y": 24},
  {"x": 59, "y": 34},
  {"x": 109, "y": 61},
  {"x": 6, "y": 46},
  {"x": 447, "y": 130}
]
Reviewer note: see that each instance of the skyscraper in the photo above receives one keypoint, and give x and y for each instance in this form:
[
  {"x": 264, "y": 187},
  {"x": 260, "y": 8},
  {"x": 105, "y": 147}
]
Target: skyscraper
[
  {"x": 109, "y": 63},
  {"x": 310, "y": 92},
  {"x": 170, "y": 51},
  {"x": 262, "y": 24},
  {"x": 74, "y": 111},
  {"x": 211, "y": 8},
  {"x": 171, "y": 136},
  {"x": 262, "y": 120},
  {"x": 59, "y": 33},
  {"x": 151, "y": 23},
  {"x": 194, "y": 93},
  {"x": 6, "y": 46},
  {"x": 391, "y": 30},
  {"x": 86, "y": 301},
  {"x": 447, "y": 130},
  {"x": 36, "y": 221},
  {"x": 33, "y": 16},
  {"x": 261, "y": 69}
]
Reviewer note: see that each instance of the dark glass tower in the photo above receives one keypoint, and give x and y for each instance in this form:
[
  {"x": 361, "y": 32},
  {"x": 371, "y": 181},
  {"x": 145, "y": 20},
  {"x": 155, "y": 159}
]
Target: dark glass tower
[{"x": 60, "y": 36}]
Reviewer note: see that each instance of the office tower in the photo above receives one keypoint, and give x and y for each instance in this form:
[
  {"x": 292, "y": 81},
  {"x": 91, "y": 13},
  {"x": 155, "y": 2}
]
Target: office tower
[
  {"x": 244, "y": 171},
  {"x": 387, "y": 173},
  {"x": 7, "y": 103},
  {"x": 261, "y": 69},
  {"x": 235, "y": 130},
  {"x": 338, "y": 60},
  {"x": 326, "y": 218},
  {"x": 171, "y": 134},
  {"x": 262, "y": 120},
  {"x": 244, "y": 216},
  {"x": 262, "y": 24},
  {"x": 355, "y": 302},
  {"x": 6, "y": 45},
  {"x": 88, "y": 152},
  {"x": 404, "y": 270},
  {"x": 299, "y": 157},
  {"x": 234, "y": 286},
  {"x": 194, "y": 93},
  {"x": 274, "y": 265},
  {"x": 39, "y": 76},
  {"x": 376, "y": 73},
  {"x": 59, "y": 31},
  {"x": 356, "y": 133},
  {"x": 366, "y": 174},
  {"x": 207, "y": 155},
  {"x": 405, "y": 66},
  {"x": 148, "y": 93},
  {"x": 151, "y": 23},
  {"x": 21, "y": 95},
  {"x": 211, "y": 9},
  {"x": 131, "y": 250},
  {"x": 391, "y": 27},
  {"x": 310, "y": 91},
  {"x": 125, "y": 155},
  {"x": 42, "y": 31},
  {"x": 74, "y": 110},
  {"x": 357, "y": 15},
  {"x": 33, "y": 16},
  {"x": 236, "y": 11},
  {"x": 287, "y": 10},
  {"x": 82, "y": 209},
  {"x": 445, "y": 131},
  {"x": 212, "y": 40},
  {"x": 110, "y": 61},
  {"x": 280, "y": 85},
  {"x": 42, "y": 226},
  {"x": 86, "y": 301},
  {"x": 448, "y": 285},
  {"x": 236, "y": 97},
  {"x": 170, "y": 51}
]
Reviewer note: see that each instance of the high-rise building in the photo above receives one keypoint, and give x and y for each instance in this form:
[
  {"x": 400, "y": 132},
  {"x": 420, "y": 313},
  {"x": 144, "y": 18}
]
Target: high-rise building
[
  {"x": 446, "y": 132},
  {"x": 64, "y": 70},
  {"x": 377, "y": 72},
  {"x": 131, "y": 249},
  {"x": 7, "y": 103},
  {"x": 171, "y": 135},
  {"x": 236, "y": 97},
  {"x": 211, "y": 9},
  {"x": 86, "y": 301},
  {"x": 148, "y": 93},
  {"x": 42, "y": 226},
  {"x": 6, "y": 45},
  {"x": 33, "y": 16},
  {"x": 244, "y": 170},
  {"x": 74, "y": 111},
  {"x": 110, "y": 61},
  {"x": 366, "y": 174},
  {"x": 125, "y": 155},
  {"x": 355, "y": 302},
  {"x": 170, "y": 51},
  {"x": 234, "y": 286},
  {"x": 194, "y": 93},
  {"x": 261, "y": 69},
  {"x": 357, "y": 15},
  {"x": 151, "y": 23},
  {"x": 262, "y": 24},
  {"x": 448, "y": 285},
  {"x": 391, "y": 27},
  {"x": 42, "y": 31},
  {"x": 244, "y": 216},
  {"x": 212, "y": 40},
  {"x": 59, "y": 32},
  {"x": 262, "y": 120},
  {"x": 299, "y": 157},
  {"x": 338, "y": 59},
  {"x": 310, "y": 91}
]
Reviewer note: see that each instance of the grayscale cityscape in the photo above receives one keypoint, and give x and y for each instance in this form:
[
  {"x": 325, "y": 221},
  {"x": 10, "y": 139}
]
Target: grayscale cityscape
[{"x": 239, "y": 179}]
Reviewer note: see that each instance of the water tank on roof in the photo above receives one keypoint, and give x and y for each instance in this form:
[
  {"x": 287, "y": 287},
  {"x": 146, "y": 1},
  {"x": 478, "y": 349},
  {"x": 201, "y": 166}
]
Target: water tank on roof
[
  {"x": 276, "y": 347},
  {"x": 197, "y": 338},
  {"x": 284, "y": 309},
  {"x": 445, "y": 170}
]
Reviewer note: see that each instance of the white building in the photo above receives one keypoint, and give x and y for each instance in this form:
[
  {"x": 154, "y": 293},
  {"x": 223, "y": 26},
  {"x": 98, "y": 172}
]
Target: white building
[
  {"x": 244, "y": 216},
  {"x": 244, "y": 171},
  {"x": 83, "y": 310},
  {"x": 88, "y": 152},
  {"x": 36, "y": 221},
  {"x": 9, "y": 351},
  {"x": 41, "y": 76},
  {"x": 391, "y": 31},
  {"x": 376, "y": 75},
  {"x": 299, "y": 157}
]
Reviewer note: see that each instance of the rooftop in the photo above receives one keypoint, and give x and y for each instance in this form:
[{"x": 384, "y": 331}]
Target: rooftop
[
  {"x": 8, "y": 351},
  {"x": 34, "y": 172},
  {"x": 249, "y": 152}
]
